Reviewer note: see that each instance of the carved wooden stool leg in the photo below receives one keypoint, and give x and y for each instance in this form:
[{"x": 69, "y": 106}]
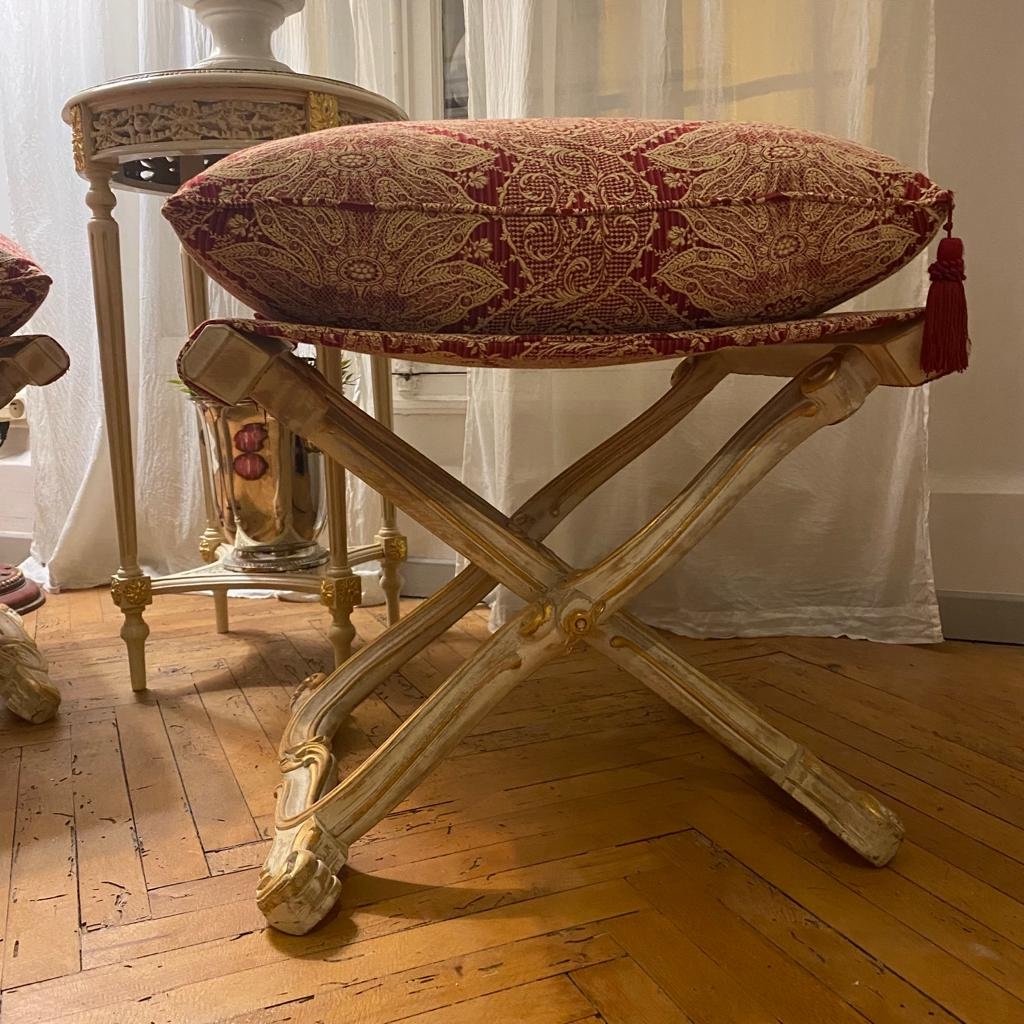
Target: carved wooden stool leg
[
  {"x": 855, "y": 816},
  {"x": 24, "y": 679},
  {"x": 569, "y": 608},
  {"x": 306, "y": 762},
  {"x": 298, "y": 885}
]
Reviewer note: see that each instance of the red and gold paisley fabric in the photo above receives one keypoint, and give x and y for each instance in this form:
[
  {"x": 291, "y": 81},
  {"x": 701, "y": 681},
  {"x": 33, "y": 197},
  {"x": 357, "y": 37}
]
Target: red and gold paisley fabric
[
  {"x": 554, "y": 226},
  {"x": 553, "y": 351},
  {"x": 23, "y": 286}
]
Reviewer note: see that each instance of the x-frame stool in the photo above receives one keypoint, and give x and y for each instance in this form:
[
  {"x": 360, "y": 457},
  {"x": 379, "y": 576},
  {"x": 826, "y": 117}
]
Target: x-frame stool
[{"x": 568, "y": 608}]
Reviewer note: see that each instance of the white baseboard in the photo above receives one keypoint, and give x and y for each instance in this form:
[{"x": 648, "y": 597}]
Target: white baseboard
[
  {"x": 989, "y": 618},
  {"x": 14, "y": 547},
  {"x": 423, "y": 576}
]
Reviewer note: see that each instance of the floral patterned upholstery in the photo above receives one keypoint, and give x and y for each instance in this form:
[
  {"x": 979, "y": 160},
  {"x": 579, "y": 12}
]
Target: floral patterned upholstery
[
  {"x": 23, "y": 286},
  {"x": 554, "y": 227},
  {"x": 560, "y": 350}
]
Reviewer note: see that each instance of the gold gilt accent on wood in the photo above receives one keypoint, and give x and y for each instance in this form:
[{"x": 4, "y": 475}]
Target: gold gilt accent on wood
[
  {"x": 77, "y": 141},
  {"x": 229, "y": 120},
  {"x": 132, "y": 591},
  {"x": 322, "y": 112}
]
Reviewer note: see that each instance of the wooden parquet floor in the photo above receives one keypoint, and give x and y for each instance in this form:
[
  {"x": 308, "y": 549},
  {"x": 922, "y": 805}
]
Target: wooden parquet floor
[{"x": 586, "y": 855}]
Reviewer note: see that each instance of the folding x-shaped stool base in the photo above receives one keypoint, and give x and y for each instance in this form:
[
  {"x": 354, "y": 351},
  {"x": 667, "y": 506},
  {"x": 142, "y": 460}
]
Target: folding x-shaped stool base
[{"x": 568, "y": 609}]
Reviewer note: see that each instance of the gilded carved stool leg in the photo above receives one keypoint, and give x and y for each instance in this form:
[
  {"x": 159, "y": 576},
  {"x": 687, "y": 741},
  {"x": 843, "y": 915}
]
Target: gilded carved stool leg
[
  {"x": 570, "y": 608},
  {"x": 24, "y": 679},
  {"x": 853, "y": 815},
  {"x": 297, "y": 886}
]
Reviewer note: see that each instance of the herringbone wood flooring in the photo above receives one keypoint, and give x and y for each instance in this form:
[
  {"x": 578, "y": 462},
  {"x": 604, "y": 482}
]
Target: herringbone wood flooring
[{"x": 587, "y": 855}]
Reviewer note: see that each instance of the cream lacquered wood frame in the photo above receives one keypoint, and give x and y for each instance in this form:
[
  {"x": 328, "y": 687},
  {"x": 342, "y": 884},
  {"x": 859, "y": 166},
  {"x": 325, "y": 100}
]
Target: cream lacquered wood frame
[
  {"x": 568, "y": 608},
  {"x": 149, "y": 133}
]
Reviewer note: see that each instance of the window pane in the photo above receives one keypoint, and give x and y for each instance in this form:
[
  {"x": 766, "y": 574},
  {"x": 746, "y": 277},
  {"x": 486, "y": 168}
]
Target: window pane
[{"x": 453, "y": 53}]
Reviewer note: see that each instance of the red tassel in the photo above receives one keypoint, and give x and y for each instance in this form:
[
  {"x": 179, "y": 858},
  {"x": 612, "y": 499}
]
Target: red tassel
[{"x": 945, "y": 344}]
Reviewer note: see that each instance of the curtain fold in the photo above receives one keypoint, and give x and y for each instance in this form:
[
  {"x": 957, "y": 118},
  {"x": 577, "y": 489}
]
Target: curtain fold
[
  {"x": 42, "y": 203},
  {"x": 835, "y": 540}
]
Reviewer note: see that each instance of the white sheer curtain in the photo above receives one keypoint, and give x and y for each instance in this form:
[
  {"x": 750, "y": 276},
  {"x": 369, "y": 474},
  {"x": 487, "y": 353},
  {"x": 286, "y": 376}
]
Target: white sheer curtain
[
  {"x": 52, "y": 49},
  {"x": 835, "y": 540}
]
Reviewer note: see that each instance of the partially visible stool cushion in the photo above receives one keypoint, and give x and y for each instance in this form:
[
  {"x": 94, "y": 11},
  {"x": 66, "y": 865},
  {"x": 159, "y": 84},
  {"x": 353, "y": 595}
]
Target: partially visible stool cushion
[
  {"x": 562, "y": 226},
  {"x": 23, "y": 286},
  {"x": 550, "y": 351}
]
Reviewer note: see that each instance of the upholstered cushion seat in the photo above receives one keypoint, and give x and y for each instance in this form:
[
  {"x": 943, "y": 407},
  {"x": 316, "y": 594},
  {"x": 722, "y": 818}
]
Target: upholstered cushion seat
[
  {"x": 554, "y": 227},
  {"x": 562, "y": 350},
  {"x": 23, "y": 286}
]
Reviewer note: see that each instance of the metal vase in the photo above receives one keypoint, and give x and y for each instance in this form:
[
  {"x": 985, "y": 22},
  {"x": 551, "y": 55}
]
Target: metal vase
[{"x": 267, "y": 487}]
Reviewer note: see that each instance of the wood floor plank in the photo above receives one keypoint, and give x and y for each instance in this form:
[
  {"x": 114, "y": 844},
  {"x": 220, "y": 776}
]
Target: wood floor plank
[
  {"x": 220, "y": 812},
  {"x": 889, "y": 734},
  {"x": 401, "y": 901},
  {"x": 200, "y": 893},
  {"x": 458, "y": 983},
  {"x": 691, "y": 979},
  {"x": 10, "y": 769},
  {"x": 1002, "y": 835},
  {"x": 474, "y": 798},
  {"x": 252, "y": 756},
  {"x": 189, "y": 984},
  {"x": 650, "y": 810},
  {"x": 928, "y": 676},
  {"x": 16, "y": 732},
  {"x": 238, "y": 858},
  {"x": 111, "y": 883},
  {"x": 966, "y": 939},
  {"x": 710, "y": 891},
  {"x": 625, "y": 994},
  {"x": 553, "y": 1001},
  {"x": 42, "y": 939},
  {"x": 171, "y": 850},
  {"x": 587, "y": 855},
  {"x": 930, "y": 968},
  {"x": 919, "y": 726}
]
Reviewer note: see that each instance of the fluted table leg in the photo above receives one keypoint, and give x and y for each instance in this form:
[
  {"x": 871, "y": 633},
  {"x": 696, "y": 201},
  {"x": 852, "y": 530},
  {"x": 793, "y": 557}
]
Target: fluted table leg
[
  {"x": 196, "y": 311},
  {"x": 341, "y": 590},
  {"x": 394, "y": 546},
  {"x": 130, "y": 587}
]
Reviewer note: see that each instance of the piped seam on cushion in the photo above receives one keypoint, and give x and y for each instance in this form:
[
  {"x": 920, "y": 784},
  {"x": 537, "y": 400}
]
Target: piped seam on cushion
[{"x": 939, "y": 200}]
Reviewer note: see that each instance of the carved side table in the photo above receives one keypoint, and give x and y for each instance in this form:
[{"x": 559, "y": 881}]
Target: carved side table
[{"x": 150, "y": 133}]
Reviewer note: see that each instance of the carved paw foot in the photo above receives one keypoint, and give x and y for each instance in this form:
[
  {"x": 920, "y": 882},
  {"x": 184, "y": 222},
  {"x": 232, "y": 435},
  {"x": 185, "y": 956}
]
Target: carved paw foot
[{"x": 298, "y": 885}]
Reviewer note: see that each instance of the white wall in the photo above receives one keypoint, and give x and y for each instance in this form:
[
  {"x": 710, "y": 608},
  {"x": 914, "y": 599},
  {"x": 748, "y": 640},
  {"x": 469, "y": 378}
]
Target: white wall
[{"x": 977, "y": 424}]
